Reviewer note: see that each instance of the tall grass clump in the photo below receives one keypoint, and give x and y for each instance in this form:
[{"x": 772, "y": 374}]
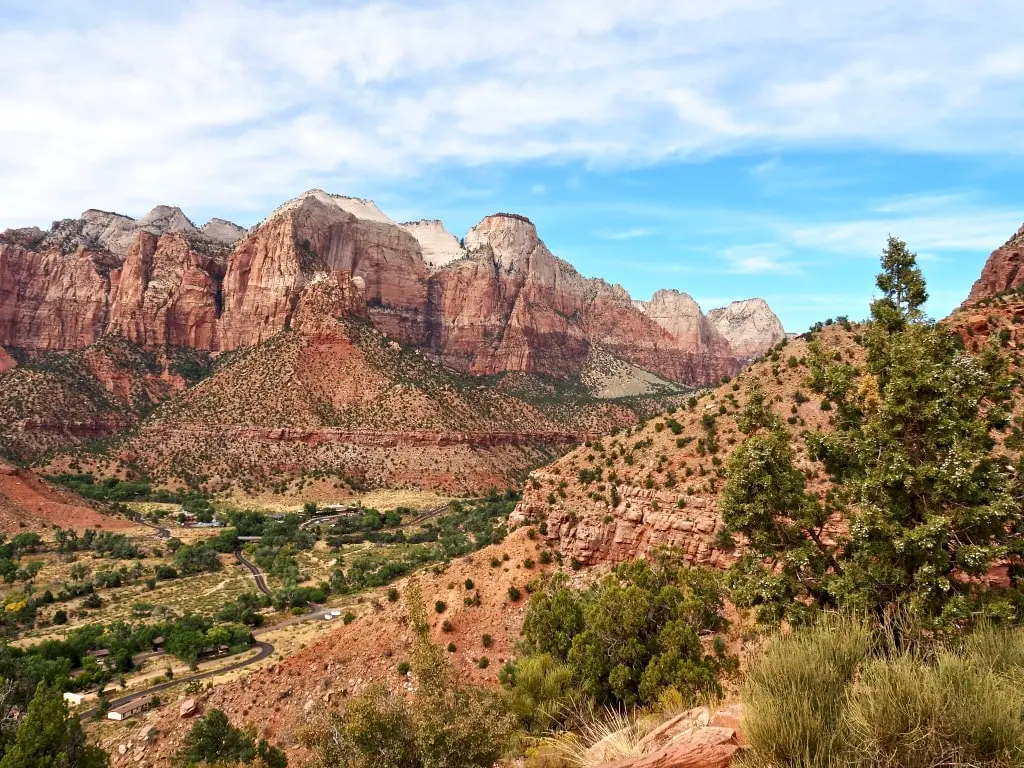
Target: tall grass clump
[
  {"x": 842, "y": 694},
  {"x": 795, "y": 697}
]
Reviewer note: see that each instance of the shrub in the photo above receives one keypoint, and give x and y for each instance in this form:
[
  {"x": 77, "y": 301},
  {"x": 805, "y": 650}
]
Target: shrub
[
  {"x": 451, "y": 648},
  {"x": 834, "y": 694},
  {"x": 445, "y": 723},
  {"x": 447, "y": 626},
  {"x": 514, "y": 594},
  {"x": 440, "y": 606},
  {"x": 403, "y": 668},
  {"x": 348, "y": 618},
  {"x": 469, "y": 583},
  {"x": 393, "y": 595},
  {"x": 484, "y": 662},
  {"x": 595, "y": 631},
  {"x": 487, "y": 641}
]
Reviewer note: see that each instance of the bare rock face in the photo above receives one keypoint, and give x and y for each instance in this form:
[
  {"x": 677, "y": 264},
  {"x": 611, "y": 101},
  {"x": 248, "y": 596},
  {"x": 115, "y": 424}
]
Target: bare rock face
[
  {"x": 750, "y": 327},
  {"x": 166, "y": 218},
  {"x": 319, "y": 233},
  {"x": 438, "y": 246},
  {"x": 221, "y": 231},
  {"x": 502, "y": 302},
  {"x": 1002, "y": 271},
  {"x": 6, "y": 361},
  {"x": 50, "y": 300},
  {"x": 510, "y": 306},
  {"x": 109, "y": 231},
  {"x": 167, "y": 293}
]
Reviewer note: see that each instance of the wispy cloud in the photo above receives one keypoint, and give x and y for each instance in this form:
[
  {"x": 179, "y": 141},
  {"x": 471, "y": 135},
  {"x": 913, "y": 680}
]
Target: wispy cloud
[
  {"x": 759, "y": 259},
  {"x": 624, "y": 234},
  {"x": 241, "y": 103}
]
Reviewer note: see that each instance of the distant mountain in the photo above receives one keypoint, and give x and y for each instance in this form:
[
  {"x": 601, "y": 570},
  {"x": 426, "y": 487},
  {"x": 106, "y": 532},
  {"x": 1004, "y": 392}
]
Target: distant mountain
[
  {"x": 496, "y": 302},
  {"x": 337, "y": 340}
]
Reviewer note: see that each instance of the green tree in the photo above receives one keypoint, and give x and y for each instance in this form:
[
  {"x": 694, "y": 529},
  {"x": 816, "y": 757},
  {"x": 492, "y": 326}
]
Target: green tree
[
  {"x": 50, "y": 738},
  {"x": 903, "y": 287},
  {"x": 213, "y": 739},
  {"x": 924, "y": 494}
]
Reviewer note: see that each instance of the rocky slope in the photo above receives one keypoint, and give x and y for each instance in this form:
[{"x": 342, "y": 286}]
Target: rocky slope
[
  {"x": 497, "y": 303},
  {"x": 657, "y": 484},
  {"x": 333, "y": 396},
  {"x": 1002, "y": 272},
  {"x": 29, "y": 502},
  {"x": 60, "y": 400}
]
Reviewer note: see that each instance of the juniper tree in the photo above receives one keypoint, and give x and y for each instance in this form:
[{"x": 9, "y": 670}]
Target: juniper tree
[{"x": 925, "y": 496}]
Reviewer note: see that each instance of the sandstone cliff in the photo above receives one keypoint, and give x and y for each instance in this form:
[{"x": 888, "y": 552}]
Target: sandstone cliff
[
  {"x": 1002, "y": 271},
  {"x": 750, "y": 327},
  {"x": 500, "y": 303}
]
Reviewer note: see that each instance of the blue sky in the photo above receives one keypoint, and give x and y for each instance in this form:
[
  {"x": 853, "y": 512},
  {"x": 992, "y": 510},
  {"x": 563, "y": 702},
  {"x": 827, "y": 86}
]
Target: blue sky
[{"x": 730, "y": 149}]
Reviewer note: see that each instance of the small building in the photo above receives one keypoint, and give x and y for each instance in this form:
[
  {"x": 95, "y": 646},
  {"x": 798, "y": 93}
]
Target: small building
[
  {"x": 74, "y": 699},
  {"x": 99, "y": 653},
  {"x": 339, "y": 509},
  {"x": 157, "y": 644},
  {"x": 133, "y": 707},
  {"x": 214, "y": 651},
  {"x": 249, "y": 538},
  {"x": 188, "y": 518}
]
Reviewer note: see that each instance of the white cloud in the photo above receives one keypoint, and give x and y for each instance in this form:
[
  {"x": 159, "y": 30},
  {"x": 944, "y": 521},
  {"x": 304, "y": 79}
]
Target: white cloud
[
  {"x": 237, "y": 104},
  {"x": 538, "y": 189},
  {"x": 759, "y": 259},
  {"x": 624, "y": 234}
]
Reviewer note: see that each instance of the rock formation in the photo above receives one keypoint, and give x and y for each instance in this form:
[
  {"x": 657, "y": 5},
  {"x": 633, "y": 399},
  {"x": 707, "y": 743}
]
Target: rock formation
[
  {"x": 1002, "y": 271},
  {"x": 501, "y": 302},
  {"x": 750, "y": 327},
  {"x": 438, "y": 245}
]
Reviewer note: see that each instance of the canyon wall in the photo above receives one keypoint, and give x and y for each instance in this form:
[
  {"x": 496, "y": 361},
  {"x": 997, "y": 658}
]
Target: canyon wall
[{"x": 497, "y": 302}]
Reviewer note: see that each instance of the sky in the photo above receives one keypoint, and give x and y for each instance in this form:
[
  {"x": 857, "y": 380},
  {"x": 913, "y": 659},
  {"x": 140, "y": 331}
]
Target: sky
[{"x": 729, "y": 149}]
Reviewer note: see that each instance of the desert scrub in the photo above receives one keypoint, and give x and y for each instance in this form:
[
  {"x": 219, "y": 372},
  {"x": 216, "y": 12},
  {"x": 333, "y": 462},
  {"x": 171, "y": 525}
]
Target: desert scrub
[{"x": 844, "y": 693}]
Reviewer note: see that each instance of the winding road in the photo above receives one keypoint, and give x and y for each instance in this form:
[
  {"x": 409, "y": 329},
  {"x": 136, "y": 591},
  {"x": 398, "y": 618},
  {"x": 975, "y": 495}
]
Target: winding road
[
  {"x": 161, "y": 533},
  {"x": 265, "y": 649},
  {"x": 257, "y": 574}
]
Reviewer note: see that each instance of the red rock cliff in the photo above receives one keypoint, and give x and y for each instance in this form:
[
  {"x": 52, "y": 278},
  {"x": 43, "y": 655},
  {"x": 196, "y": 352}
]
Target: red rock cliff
[
  {"x": 1002, "y": 271},
  {"x": 503, "y": 303}
]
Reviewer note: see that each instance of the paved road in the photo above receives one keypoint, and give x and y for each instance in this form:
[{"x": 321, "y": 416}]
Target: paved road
[
  {"x": 257, "y": 574},
  {"x": 161, "y": 533},
  {"x": 265, "y": 649}
]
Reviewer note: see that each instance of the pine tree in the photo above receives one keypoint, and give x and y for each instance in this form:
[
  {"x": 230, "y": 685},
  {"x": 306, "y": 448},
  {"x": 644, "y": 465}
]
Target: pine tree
[{"x": 50, "y": 738}]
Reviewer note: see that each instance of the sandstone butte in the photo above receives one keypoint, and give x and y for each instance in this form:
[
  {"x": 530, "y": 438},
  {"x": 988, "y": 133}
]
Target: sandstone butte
[{"x": 498, "y": 301}]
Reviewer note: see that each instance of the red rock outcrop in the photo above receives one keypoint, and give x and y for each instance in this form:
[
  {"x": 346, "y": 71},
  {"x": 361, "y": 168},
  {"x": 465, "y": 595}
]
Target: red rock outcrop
[
  {"x": 501, "y": 302},
  {"x": 6, "y": 361},
  {"x": 1002, "y": 272},
  {"x": 48, "y": 299},
  {"x": 167, "y": 293},
  {"x": 314, "y": 234}
]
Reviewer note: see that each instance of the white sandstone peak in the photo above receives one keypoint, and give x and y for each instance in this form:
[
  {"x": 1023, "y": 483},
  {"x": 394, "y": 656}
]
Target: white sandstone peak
[
  {"x": 357, "y": 206},
  {"x": 439, "y": 246}
]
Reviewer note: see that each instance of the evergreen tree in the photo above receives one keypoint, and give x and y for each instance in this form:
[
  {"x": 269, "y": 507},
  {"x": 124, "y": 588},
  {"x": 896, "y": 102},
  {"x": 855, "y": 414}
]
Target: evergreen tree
[
  {"x": 924, "y": 496},
  {"x": 214, "y": 740},
  {"x": 48, "y": 737}
]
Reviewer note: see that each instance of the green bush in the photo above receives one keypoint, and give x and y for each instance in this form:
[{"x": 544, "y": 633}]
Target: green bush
[
  {"x": 445, "y": 724},
  {"x": 636, "y": 633}
]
